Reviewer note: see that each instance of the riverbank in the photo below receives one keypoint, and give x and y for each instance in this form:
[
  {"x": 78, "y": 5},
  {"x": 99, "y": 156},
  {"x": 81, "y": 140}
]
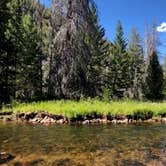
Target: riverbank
[{"x": 85, "y": 112}]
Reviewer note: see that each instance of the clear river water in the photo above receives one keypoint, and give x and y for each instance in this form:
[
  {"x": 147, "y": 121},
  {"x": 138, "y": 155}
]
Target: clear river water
[{"x": 78, "y": 145}]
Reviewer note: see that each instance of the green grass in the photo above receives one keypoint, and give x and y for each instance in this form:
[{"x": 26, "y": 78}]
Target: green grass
[{"x": 73, "y": 108}]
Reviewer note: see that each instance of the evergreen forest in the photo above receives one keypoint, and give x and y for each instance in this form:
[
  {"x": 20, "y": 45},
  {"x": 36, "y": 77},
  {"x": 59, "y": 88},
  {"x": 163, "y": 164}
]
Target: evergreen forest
[{"x": 61, "y": 52}]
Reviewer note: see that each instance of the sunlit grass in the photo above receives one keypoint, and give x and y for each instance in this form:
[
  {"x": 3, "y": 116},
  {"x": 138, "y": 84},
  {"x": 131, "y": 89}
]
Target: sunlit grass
[{"x": 73, "y": 108}]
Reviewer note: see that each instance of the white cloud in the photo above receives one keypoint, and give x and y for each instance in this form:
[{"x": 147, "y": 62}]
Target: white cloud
[{"x": 162, "y": 27}]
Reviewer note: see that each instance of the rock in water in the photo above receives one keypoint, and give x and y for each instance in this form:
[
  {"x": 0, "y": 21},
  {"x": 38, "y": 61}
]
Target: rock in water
[
  {"x": 5, "y": 157},
  {"x": 70, "y": 54}
]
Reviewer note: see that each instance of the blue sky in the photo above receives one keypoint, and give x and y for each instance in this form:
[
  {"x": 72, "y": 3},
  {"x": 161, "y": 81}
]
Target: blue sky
[{"x": 132, "y": 13}]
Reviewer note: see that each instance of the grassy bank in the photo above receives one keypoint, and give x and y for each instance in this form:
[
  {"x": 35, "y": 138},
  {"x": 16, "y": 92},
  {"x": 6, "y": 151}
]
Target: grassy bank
[{"x": 73, "y": 108}]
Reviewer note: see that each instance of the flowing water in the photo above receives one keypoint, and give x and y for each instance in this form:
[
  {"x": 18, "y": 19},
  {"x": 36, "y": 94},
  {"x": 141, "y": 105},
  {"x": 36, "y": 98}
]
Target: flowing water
[{"x": 94, "y": 145}]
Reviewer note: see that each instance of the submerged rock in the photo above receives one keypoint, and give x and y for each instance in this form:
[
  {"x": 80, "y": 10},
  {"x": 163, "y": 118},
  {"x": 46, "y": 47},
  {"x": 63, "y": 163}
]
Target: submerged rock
[
  {"x": 5, "y": 157},
  {"x": 17, "y": 163},
  {"x": 63, "y": 162},
  {"x": 36, "y": 162}
]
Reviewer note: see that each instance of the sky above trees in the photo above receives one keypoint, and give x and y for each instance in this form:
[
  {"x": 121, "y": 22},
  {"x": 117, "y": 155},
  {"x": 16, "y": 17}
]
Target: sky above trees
[{"x": 132, "y": 13}]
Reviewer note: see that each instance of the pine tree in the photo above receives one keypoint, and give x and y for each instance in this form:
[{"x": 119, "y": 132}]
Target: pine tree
[
  {"x": 7, "y": 61},
  {"x": 164, "y": 76},
  {"x": 45, "y": 33},
  {"x": 154, "y": 79},
  {"x": 99, "y": 49},
  {"x": 120, "y": 41},
  {"x": 135, "y": 50},
  {"x": 22, "y": 31},
  {"x": 119, "y": 65}
]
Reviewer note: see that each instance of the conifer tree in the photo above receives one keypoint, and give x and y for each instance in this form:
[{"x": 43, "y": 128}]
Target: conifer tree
[
  {"x": 7, "y": 61},
  {"x": 99, "y": 50},
  {"x": 22, "y": 31},
  {"x": 154, "y": 79},
  {"x": 119, "y": 66},
  {"x": 164, "y": 76},
  {"x": 135, "y": 50},
  {"x": 120, "y": 41}
]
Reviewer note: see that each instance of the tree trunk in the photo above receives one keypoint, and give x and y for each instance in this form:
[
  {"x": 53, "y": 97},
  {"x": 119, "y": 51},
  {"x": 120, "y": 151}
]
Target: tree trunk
[{"x": 67, "y": 73}]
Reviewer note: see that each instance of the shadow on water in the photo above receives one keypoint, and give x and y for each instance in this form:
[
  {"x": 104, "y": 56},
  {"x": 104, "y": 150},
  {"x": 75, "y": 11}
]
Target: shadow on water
[{"x": 98, "y": 145}]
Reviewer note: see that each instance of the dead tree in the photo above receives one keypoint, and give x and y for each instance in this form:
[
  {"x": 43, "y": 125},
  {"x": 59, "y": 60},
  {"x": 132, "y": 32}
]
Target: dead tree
[{"x": 67, "y": 78}]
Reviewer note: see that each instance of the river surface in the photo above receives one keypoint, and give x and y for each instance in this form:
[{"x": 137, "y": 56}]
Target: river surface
[{"x": 95, "y": 145}]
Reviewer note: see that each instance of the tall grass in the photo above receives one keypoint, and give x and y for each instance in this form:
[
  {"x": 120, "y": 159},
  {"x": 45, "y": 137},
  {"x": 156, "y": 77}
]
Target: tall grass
[{"x": 73, "y": 108}]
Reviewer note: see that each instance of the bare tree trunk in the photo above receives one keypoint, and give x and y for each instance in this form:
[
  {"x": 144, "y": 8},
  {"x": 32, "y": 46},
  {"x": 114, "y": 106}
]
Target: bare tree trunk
[{"x": 67, "y": 73}]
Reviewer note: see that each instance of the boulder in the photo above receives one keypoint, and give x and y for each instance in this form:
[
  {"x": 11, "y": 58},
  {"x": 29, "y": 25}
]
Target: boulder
[
  {"x": 123, "y": 121},
  {"x": 163, "y": 120},
  {"x": 85, "y": 122},
  {"x": 104, "y": 121},
  {"x": 61, "y": 121},
  {"x": 114, "y": 121},
  {"x": 47, "y": 120},
  {"x": 7, "y": 119}
]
